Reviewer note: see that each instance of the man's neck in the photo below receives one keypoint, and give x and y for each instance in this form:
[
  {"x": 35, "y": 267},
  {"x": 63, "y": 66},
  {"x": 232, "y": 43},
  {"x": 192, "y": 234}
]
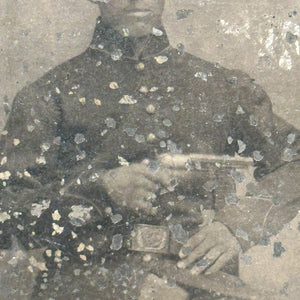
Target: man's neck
[{"x": 108, "y": 39}]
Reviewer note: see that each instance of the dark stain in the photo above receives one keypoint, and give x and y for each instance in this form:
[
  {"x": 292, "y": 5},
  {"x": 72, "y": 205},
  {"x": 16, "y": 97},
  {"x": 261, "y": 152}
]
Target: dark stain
[
  {"x": 183, "y": 13},
  {"x": 278, "y": 249},
  {"x": 292, "y": 14},
  {"x": 291, "y": 38}
]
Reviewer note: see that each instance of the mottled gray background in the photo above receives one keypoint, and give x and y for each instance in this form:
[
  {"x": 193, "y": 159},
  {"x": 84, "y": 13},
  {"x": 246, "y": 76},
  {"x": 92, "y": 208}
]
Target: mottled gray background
[{"x": 260, "y": 37}]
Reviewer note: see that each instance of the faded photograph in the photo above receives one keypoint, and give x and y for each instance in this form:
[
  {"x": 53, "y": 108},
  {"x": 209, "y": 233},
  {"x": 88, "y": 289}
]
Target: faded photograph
[{"x": 138, "y": 170}]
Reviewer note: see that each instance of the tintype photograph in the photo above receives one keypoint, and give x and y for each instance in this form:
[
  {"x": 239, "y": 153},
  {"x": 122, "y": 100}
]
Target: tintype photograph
[{"x": 149, "y": 149}]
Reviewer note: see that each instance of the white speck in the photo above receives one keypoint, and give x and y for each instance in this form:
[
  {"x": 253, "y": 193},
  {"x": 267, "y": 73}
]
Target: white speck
[
  {"x": 57, "y": 229},
  {"x": 147, "y": 258},
  {"x": 79, "y": 138},
  {"x": 117, "y": 242},
  {"x": 82, "y": 257},
  {"x": 229, "y": 140},
  {"x": 150, "y": 109},
  {"x": 4, "y": 216},
  {"x": 157, "y": 32},
  {"x": 161, "y": 59},
  {"x": 202, "y": 75},
  {"x": 74, "y": 235},
  {"x": 297, "y": 45},
  {"x": 116, "y": 55},
  {"x": 94, "y": 177},
  {"x": 130, "y": 131},
  {"x": 5, "y": 175},
  {"x": 154, "y": 89},
  {"x": 113, "y": 85},
  {"x": 45, "y": 147},
  {"x": 57, "y": 90},
  {"x": 81, "y": 247},
  {"x": 97, "y": 102},
  {"x": 151, "y": 137},
  {"x": 269, "y": 41},
  {"x": 126, "y": 99},
  {"x": 170, "y": 89},
  {"x": 257, "y": 156},
  {"x": 58, "y": 253},
  {"x": 176, "y": 108},
  {"x": 143, "y": 89},
  {"x": 16, "y": 142},
  {"x": 39, "y": 265},
  {"x": 285, "y": 61},
  {"x": 253, "y": 120},
  {"x": 162, "y": 144},
  {"x": 57, "y": 141},
  {"x": 48, "y": 252},
  {"x": 288, "y": 154},
  {"x": 79, "y": 215},
  {"x": 108, "y": 210},
  {"x": 240, "y": 110},
  {"x": 167, "y": 122},
  {"x": 41, "y": 160},
  {"x": 81, "y": 156},
  {"x": 104, "y": 132},
  {"x": 77, "y": 272},
  {"x": 90, "y": 248},
  {"x": 125, "y": 31},
  {"x": 30, "y": 128},
  {"x": 116, "y": 218},
  {"x": 82, "y": 100},
  {"x": 110, "y": 123},
  {"x": 56, "y": 215},
  {"x": 139, "y": 138},
  {"x": 26, "y": 173},
  {"x": 242, "y": 146},
  {"x": 20, "y": 227},
  {"x": 291, "y": 138},
  {"x": 218, "y": 118},
  {"x": 123, "y": 161},
  {"x": 140, "y": 66}
]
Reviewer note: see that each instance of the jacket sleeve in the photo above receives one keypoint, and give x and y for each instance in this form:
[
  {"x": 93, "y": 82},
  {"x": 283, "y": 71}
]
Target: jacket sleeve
[
  {"x": 274, "y": 146},
  {"x": 35, "y": 206}
]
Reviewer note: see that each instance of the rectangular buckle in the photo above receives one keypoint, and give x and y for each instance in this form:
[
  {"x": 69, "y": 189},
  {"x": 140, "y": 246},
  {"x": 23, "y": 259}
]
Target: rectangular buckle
[{"x": 150, "y": 238}]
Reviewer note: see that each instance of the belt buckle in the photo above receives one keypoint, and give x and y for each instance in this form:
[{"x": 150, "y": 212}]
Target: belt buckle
[{"x": 150, "y": 238}]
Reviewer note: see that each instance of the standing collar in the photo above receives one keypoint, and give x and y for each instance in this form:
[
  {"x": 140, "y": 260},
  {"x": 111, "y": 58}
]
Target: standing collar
[{"x": 109, "y": 40}]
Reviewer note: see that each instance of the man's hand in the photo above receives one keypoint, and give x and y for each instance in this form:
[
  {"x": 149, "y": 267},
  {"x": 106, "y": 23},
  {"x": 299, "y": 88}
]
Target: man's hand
[
  {"x": 136, "y": 186},
  {"x": 212, "y": 247}
]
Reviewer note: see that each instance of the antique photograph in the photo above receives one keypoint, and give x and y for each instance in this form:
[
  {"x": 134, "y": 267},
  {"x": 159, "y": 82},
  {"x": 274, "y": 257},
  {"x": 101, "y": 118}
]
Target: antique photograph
[{"x": 149, "y": 149}]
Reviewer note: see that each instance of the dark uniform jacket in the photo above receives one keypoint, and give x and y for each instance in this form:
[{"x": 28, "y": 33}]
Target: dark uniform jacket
[{"x": 110, "y": 105}]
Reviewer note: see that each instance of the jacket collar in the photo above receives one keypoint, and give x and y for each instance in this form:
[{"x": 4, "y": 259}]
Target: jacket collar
[{"x": 108, "y": 40}]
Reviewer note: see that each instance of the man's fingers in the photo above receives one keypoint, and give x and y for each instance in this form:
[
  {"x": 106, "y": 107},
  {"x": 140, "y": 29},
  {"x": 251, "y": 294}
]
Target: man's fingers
[
  {"x": 192, "y": 243},
  {"x": 146, "y": 184},
  {"x": 196, "y": 254},
  {"x": 220, "y": 262},
  {"x": 166, "y": 177},
  {"x": 141, "y": 200},
  {"x": 164, "y": 174},
  {"x": 209, "y": 259}
]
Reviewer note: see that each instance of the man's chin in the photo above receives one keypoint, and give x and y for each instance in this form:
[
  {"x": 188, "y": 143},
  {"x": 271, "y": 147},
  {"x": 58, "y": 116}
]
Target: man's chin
[
  {"x": 141, "y": 30},
  {"x": 138, "y": 30}
]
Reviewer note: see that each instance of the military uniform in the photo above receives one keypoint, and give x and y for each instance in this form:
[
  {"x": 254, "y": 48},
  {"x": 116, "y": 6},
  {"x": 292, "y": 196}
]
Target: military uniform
[{"x": 111, "y": 106}]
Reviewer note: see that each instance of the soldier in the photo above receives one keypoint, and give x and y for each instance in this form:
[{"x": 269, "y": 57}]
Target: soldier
[{"x": 84, "y": 174}]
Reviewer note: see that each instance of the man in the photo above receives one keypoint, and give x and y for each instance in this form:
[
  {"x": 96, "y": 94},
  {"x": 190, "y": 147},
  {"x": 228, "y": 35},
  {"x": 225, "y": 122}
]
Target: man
[{"x": 82, "y": 163}]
